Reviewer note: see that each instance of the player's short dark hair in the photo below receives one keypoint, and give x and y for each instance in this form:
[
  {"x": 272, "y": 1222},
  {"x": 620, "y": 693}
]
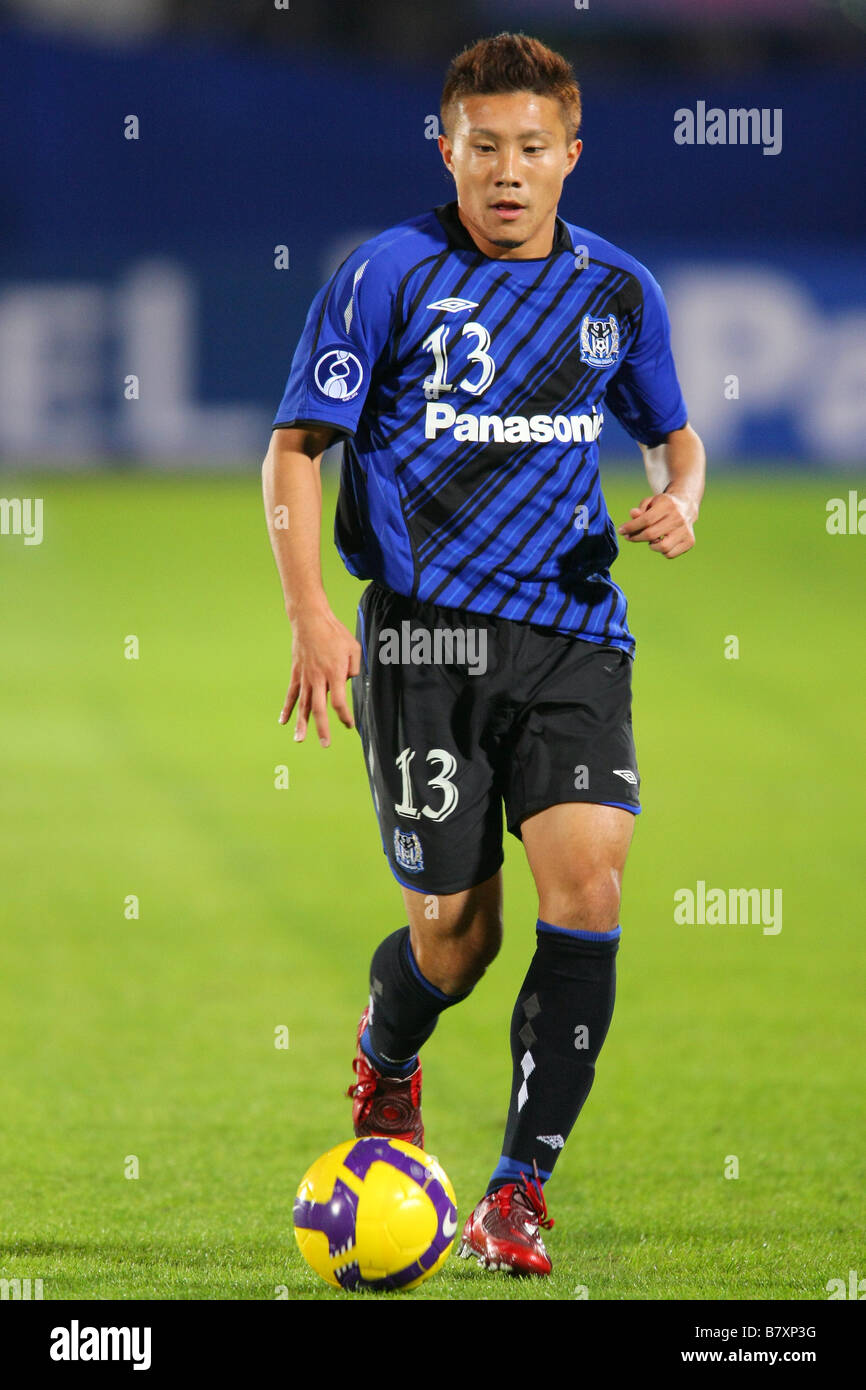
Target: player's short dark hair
[{"x": 513, "y": 63}]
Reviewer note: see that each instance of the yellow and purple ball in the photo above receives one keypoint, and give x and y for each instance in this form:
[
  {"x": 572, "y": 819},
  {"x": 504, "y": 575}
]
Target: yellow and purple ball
[{"x": 375, "y": 1214}]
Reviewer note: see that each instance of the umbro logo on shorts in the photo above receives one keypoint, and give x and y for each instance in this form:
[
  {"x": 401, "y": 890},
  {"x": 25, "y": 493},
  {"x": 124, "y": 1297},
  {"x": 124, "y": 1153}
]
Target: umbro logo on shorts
[{"x": 626, "y": 774}]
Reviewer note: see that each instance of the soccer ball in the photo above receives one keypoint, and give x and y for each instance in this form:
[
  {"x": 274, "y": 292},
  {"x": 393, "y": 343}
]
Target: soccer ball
[{"x": 375, "y": 1214}]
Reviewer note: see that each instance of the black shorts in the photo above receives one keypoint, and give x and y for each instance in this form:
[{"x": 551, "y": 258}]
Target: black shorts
[{"x": 461, "y": 712}]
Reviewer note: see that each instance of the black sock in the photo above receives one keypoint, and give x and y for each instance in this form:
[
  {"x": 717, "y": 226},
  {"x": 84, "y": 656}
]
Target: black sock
[
  {"x": 404, "y": 1007},
  {"x": 560, "y": 1021}
]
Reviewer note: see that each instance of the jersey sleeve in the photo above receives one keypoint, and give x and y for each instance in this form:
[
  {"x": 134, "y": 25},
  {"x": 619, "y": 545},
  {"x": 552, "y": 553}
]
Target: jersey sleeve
[
  {"x": 346, "y": 330},
  {"x": 644, "y": 393}
]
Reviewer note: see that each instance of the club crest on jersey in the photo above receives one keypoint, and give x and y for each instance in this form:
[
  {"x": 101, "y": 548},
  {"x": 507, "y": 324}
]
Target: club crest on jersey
[
  {"x": 407, "y": 851},
  {"x": 338, "y": 374},
  {"x": 599, "y": 341},
  {"x": 453, "y": 305}
]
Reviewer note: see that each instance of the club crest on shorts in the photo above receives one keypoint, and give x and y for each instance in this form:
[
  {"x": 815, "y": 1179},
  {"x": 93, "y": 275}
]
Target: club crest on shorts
[
  {"x": 599, "y": 341},
  {"x": 407, "y": 851},
  {"x": 338, "y": 374}
]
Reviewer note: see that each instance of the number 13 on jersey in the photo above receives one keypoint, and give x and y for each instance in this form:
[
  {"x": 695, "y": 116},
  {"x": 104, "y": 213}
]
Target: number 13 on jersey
[{"x": 438, "y": 382}]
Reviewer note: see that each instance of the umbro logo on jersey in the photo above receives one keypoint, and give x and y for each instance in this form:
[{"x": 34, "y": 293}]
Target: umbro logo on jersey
[
  {"x": 513, "y": 429},
  {"x": 453, "y": 305},
  {"x": 626, "y": 774}
]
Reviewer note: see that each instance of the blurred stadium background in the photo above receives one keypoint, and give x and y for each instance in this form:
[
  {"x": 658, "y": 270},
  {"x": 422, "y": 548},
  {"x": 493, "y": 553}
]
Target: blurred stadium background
[
  {"x": 166, "y": 906},
  {"x": 310, "y": 127}
]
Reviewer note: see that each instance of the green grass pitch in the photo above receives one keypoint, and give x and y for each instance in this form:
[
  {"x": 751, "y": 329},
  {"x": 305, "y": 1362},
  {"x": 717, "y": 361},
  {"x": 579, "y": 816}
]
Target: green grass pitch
[{"x": 153, "y": 1036}]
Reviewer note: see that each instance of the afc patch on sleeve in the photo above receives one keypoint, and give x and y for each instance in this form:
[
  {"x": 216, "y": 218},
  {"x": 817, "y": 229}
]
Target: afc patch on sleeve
[{"x": 336, "y": 374}]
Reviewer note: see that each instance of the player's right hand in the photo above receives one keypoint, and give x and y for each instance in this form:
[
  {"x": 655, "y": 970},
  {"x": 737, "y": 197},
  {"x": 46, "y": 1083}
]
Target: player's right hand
[{"x": 324, "y": 656}]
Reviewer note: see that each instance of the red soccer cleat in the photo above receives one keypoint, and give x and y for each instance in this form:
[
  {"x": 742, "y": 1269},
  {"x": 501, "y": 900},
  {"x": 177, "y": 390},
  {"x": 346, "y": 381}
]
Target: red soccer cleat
[
  {"x": 389, "y": 1106},
  {"x": 502, "y": 1231}
]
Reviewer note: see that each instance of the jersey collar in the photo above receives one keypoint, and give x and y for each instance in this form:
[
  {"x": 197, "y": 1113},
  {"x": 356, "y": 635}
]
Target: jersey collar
[{"x": 460, "y": 240}]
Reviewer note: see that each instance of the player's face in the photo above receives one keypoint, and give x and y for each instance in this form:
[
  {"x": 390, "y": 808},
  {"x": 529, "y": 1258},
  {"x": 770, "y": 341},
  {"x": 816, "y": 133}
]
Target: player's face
[{"x": 509, "y": 155}]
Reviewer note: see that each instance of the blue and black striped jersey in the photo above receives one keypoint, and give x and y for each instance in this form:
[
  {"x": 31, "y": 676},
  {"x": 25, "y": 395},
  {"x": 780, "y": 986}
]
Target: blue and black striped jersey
[{"x": 470, "y": 393}]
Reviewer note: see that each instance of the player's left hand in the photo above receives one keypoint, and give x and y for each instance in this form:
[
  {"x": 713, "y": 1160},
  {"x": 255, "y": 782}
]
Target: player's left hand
[{"x": 665, "y": 522}]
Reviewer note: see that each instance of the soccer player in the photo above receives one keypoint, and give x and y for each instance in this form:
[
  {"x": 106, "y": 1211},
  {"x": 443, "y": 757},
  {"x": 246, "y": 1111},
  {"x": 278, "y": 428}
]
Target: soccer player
[{"x": 466, "y": 357}]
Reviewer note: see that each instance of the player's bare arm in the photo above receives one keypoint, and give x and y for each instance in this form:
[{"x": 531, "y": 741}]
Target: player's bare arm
[
  {"x": 676, "y": 470},
  {"x": 324, "y": 652}
]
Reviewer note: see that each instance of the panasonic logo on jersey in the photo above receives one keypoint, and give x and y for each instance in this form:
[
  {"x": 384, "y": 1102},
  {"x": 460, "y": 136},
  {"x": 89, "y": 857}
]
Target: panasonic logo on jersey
[{"x": 512, "y": 429}]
